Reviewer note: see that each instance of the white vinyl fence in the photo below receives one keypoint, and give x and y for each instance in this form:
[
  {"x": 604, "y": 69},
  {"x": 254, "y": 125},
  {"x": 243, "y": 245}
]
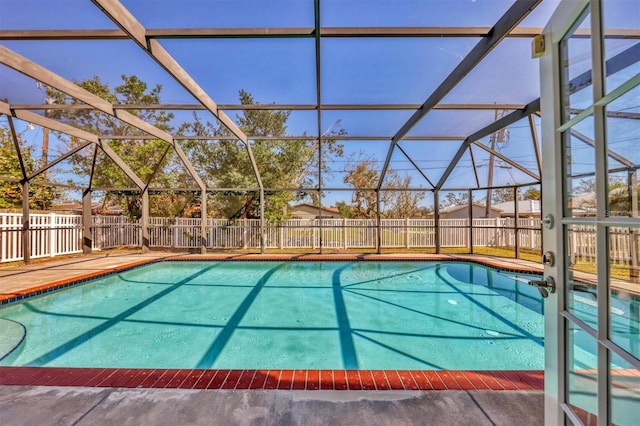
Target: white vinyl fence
[
  {"x": 54, "y": 234},
  {"x": 51, "y": 235}
]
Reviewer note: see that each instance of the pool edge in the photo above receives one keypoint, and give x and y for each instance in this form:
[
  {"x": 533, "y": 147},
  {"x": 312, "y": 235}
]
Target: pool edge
[
  {"x": 269, "y": 379},
  {"x": 345, "y": 380},
  {"x": 17, "y": 296}
]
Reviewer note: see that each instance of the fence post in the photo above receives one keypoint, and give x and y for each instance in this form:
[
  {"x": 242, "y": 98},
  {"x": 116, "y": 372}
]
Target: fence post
[
  {"x": 406, "y": 232},
  {"x": 313, "y": 236},
  {"x": 173, "y": 232},
  {"x": 344, "y": 233},
  {"x": 531, "y": 233},
  {"x": 53, "y": 235},
  {"x": 244, "y": 233},
  {"x": 4, "y": 233}
]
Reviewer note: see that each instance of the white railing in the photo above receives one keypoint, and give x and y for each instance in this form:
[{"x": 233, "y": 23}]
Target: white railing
[
  {"x": 50, "y": 235},
  {"x": 55, "y": 234}
]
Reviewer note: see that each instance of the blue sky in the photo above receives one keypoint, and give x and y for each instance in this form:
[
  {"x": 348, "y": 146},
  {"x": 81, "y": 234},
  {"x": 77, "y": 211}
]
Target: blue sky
[{"x": 354, "y": 70}]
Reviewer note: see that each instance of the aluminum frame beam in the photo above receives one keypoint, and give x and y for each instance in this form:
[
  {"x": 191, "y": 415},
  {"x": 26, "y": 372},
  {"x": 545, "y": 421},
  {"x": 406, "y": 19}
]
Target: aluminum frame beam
[
  {"x": 507, "y": 160},
  {"x": 318, "y": 74},
  {"x": 536, "y": 143},
  {"x": 291, "y": 138},
  {"x": 274, "y": 107},
  {"x": 614, "y": 64},
  {"x": 292, "y": 32},
  {"x": 59, "y": 159},
  {"x": 516, "y": 13},
  {"x": 473, "y": 164},
  {"x": 115, "y": 11},
  {"x": 486, "y": 131},
  {"x": 72, "y": 131},
  {"x": 414, "y": 164},
  {"x": 16, "y": 145},
  {"x": 587, "y": 140},
  {"x": 39, "y": 73}
]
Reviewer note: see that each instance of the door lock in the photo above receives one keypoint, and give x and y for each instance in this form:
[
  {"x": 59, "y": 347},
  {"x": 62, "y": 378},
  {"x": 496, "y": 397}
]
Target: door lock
[
  {"x": 548, "y": 259},
  {"x": 545, "y": 286}
]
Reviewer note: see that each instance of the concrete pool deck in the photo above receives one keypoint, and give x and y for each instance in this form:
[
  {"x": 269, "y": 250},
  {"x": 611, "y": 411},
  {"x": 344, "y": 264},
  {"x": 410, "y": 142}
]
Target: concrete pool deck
[
  {"x": 23, "y": 400},
  {"x": 28, "y": 405}
]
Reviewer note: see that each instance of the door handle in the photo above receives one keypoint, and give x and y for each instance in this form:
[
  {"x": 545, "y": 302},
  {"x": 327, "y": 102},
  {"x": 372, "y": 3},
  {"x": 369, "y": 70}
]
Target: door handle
[{"x": 546, "y": 286}]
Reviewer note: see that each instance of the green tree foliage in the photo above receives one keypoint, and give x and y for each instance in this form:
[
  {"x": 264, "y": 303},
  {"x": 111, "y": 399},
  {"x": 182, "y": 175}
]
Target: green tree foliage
[
  {"x": 40, "y": 197},
  {"x": 346, "y": 210},
  {"x": 282, "y": 163},
  {"x": 532, "y": 193},
  {"x": 141, "y": 156}
]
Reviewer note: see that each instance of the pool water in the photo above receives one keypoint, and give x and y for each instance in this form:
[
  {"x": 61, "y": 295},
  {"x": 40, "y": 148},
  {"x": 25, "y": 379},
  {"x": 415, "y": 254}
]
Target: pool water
[{"x": 287, "y": 315}]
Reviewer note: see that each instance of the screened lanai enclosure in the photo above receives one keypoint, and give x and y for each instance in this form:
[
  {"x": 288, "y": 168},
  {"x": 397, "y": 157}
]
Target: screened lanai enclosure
[{"x": 308, "y": 125}]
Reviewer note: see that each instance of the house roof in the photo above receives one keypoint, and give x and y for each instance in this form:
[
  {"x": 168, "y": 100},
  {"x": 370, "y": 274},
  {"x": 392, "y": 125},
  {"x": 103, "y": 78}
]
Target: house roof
[
  {"x": 451, "y": 209},
  {"x": 311, "y": 206}
]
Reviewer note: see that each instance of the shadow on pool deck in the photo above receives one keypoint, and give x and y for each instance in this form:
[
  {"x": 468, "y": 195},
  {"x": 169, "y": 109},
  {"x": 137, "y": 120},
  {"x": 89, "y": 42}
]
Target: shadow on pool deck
[{"x": 22, "y": 405}]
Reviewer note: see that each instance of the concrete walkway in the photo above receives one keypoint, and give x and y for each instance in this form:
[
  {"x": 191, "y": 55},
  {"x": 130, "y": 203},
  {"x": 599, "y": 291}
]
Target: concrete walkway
[{"x": 26, "y": 405}]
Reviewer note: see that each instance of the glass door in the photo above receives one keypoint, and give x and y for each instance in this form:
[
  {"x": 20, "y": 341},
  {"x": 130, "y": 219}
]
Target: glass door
[{"x": 590, "y": 107}]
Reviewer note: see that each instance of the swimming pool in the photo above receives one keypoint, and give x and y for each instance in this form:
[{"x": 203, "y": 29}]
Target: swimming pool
[{"x": 294, "y": 315}]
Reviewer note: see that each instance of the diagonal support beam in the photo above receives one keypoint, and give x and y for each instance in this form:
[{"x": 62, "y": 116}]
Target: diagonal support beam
[
  {"x": 48, "y": 123},
  {"x": 587, "y": 140},
  {"x": 507, "y": 160},
  {"x": 72, "y": 131},
  {"x": 615, "y": 64},
  {"x": 491, "y": 128},
  {"x": 39, "y": 73},
  {"x": 500, "y": 30},
  {"x": 59, "y": 159},
  {"x": 16, "y": 145},
  {"x": 120, "y": 163},
  {"x": 138, "y": 33},
  {"x": 414, "y": 164},
  {"x": 473, "y": 164}
]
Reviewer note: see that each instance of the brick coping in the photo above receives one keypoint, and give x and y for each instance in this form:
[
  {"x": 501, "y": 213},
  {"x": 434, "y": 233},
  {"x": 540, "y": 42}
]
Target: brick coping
[
  {"x": 370, "y": 380},
  {"x": 82, "y": 278}
]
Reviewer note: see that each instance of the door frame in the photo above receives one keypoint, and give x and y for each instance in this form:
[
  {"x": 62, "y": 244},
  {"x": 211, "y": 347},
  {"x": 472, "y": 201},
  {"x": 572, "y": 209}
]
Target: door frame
[{"x": 555, "y": 371}]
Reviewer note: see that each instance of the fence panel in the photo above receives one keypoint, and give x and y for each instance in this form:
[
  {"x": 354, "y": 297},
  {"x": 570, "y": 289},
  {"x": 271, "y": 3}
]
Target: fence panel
[
  {"x": 454, "y": 233},
  {"x": 10, "y": 237},
  {"x": 66, "y": 235},
  {"x": 55, "y": 234}
]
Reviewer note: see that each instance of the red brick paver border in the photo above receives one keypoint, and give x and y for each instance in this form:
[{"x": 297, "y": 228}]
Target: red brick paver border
[{"x": 274, "y": 379}]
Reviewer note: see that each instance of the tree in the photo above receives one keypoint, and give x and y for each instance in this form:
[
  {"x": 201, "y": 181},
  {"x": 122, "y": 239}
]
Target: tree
[
  {"x": 502, "y": 195},
  {"x": 40, "y": 197},
  {"x": 361, "y": 173},
  {"x": 401, "y": 203},
  {"x": 141, "y": 156},
  {"x": 282, "y": 163},
  {"x": 451, "y": 199},
  {"x": 396, "y": 202},
  {"x": 346, "y": 210},
  {"x": 532, "y": 194}
]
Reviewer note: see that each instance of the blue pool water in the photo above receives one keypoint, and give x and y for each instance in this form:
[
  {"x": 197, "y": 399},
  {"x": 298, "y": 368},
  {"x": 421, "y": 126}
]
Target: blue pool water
[{"x": 289, "y": 315}]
